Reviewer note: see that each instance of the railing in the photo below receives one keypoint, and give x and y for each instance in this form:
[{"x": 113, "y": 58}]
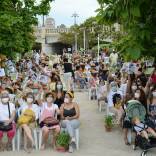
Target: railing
[
  {"x": 58, "y": 30},
  {"x": 38, "y": 31}
]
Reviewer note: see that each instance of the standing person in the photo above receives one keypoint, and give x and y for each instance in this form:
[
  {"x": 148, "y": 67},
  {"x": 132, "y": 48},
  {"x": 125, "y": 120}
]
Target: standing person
[
  {"x": 70, "y": 114},
  {"x": 7, "y": 117},
  {"x": 113, "y": 58},
  {"x": 68, "y": 72}
]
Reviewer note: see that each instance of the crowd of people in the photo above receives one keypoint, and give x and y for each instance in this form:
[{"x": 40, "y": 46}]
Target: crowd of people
[
  {"x": 35, "y": 92},
  {"x": 32, "y": 95}
]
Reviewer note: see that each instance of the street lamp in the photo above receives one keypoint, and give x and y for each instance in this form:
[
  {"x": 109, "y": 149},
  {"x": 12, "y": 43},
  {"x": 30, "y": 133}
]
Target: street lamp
[
  {"x": 75, "y": 16},
  {"x": 98, "y": 47},
  {"x": 84, "y": 39}
]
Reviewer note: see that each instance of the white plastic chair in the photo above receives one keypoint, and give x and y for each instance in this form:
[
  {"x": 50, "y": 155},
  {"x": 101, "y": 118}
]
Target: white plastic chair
[
  {"x": 90, "y": 93},
  {"x": 13, "y": 144},
  {"x": 77, "y": 136},
  {"x": 102, "y": 103},
  {"x": 40, "y": 137},
  {"x": 129, "y": 136},
  {"x": 19, "y": 130},
  {"x": 19, "y": 138}
]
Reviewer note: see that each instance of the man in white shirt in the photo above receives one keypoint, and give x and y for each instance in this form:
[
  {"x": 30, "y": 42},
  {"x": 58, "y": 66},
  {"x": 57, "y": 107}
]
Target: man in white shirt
[{"x": 113, "y": 58}]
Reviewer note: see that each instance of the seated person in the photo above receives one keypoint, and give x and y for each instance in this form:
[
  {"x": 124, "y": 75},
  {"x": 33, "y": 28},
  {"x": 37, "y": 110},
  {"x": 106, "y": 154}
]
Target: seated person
[
  {"x": 70, "y": 114},
  {"x": 27, "y": 119},
  {"x": 142, "y": 129},
  {"x": 7, "y": 117},
  {"x": 102, "y": 92},
  {"x": 79, "y": 77},
  {"x": 118, "y": 110},
  {"x": 152, "y": 109},
  {"x": 48, "y": 121}
]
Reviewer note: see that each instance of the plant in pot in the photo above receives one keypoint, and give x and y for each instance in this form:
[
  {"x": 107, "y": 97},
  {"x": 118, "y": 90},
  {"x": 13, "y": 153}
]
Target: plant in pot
[
  {"x": 62, "y": 141},
  {"x": 108, "y": 123}
]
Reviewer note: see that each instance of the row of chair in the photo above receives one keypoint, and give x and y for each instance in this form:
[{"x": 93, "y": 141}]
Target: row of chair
[{"x": 37, "y": 134}]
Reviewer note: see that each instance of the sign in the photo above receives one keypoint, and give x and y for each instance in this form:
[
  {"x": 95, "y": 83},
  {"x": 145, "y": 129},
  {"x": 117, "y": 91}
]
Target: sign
[
  {"x": 14, "y": 76},
  {"x": 2, "y": 72},
  {"x": 149, "y": 71},
  {"x": 69, "y": 49},
  {"x": 34, "y": 77},
  {"x": 106, "y": 60},
  {"x": 43, "y": 79}
]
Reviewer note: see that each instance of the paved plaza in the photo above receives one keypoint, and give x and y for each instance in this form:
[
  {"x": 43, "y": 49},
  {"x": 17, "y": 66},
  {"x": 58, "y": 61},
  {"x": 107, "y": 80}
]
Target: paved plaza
[{"x": 94, "y": 141}]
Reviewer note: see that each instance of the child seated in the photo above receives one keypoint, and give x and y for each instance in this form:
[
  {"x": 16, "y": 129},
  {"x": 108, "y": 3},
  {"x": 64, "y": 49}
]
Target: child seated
[
  {"x": 118, "y": 110},
  {"x": 142, "y": 129},
  {"x": 102, "y": 91}
]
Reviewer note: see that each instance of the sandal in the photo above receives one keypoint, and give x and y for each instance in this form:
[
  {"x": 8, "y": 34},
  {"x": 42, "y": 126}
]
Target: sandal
[
  {"x": 8, "y": 147},
  {"x": 126, "y": 142},
  {"x": 2, "y": 148},
  {"x": 42, "y": 147},
  {"x": 27, "y": 150}
]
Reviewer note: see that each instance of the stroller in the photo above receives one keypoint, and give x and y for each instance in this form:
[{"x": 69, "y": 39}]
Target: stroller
[{"x": 136, "y": 109}]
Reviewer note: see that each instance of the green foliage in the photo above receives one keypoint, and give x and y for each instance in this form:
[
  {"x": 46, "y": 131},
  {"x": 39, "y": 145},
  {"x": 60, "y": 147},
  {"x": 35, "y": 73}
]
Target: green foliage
[
  {"x": 17, "y": 19},
  {"x": 138, "y": 19},
  {"x": 63, "y": 140},
  {"x": 109, "y": 121}
]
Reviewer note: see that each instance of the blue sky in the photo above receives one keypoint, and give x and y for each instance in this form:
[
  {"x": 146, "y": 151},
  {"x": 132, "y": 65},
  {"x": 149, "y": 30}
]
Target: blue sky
[{"x": 62, "y": 10}]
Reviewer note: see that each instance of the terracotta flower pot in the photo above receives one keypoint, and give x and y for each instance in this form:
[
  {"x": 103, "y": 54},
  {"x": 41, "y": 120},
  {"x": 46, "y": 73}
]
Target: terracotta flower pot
[
  {"x": 61, "y": 149},
  {"x": 108, "y": 129}
]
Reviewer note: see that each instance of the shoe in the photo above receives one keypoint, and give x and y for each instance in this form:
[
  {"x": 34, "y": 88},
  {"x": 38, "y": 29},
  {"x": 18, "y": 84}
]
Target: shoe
[
  {"x": 2, "y": 148},
  {"x": 73, "y": 144},
  {"x": 8, "y": 147},
  {"x": 71, "y": 150},
  {"x": 27, "y": 150}
]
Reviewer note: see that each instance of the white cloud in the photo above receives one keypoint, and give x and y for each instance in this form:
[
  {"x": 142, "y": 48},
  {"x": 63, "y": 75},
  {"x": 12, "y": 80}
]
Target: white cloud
[{"x": 62, "y": 10}]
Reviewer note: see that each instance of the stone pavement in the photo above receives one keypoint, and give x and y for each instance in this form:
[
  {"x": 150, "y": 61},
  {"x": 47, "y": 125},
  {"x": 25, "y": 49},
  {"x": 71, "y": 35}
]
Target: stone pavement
[{"x": 94, "y": 141}]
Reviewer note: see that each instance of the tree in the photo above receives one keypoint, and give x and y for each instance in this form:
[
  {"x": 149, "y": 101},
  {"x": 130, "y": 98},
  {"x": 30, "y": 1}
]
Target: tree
[
  {"x": 17, "y": 21},
  {"x": 138, "y": 19}
]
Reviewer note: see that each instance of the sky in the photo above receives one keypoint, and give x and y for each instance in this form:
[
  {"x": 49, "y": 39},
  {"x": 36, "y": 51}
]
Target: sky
[{"x": 62, "y": 10}]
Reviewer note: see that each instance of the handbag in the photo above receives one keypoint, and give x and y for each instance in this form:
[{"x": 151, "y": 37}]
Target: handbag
[
  {"x": 3, "y": 126},
  {"x": 48, "y": 119},
  {"x": 27, "y": 117},
  {"x": 49, "y": 122}
]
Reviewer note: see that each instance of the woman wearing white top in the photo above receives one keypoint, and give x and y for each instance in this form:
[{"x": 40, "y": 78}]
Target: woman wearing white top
[
  {"x": 49, "y": 112},
  {"x": 27, "y": 127},
  {"x": 7, "y": 116}
]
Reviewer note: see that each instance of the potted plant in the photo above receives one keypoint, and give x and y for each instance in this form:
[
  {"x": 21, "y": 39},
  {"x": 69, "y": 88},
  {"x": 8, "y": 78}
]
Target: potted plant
[
  {"x": 62, "y": 141},
  {"x": 108, "y": 123}
]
